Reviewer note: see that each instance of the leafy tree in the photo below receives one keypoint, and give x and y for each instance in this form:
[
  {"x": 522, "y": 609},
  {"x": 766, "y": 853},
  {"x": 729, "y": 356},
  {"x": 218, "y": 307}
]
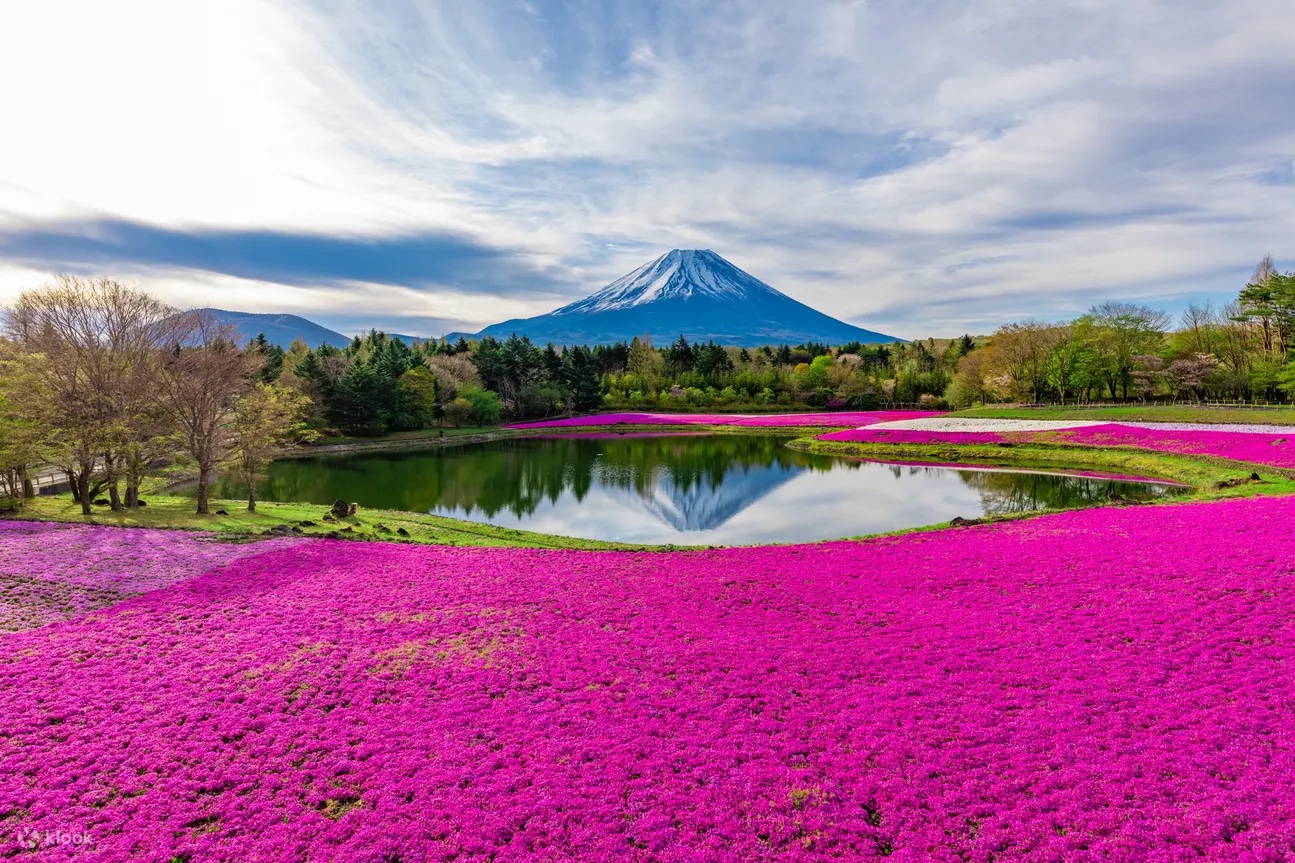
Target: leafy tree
[
  {"x": 459, "y": 411},
  {"x": 1119, "y": 332},
  {"x": 362, "y": 401},
  {"x": 271, "y": 356},
  {"x": 680, "y": 357},
  {"x": 486, "y": 409},
  {"x": 265, "y": 418},
  {"x": 579, "y": 374},
  {"x": 415, "y": 399},
  {"x": 24, "y": 440}
]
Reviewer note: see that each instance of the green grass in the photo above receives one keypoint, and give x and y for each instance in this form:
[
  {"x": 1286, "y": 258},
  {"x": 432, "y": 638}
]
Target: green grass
[
  {"x": 1207, "y": 478},
  {"x": 430, "y": 435},
  {"x": 178, "y": 512},
  {"x": 1140, "y": 413}
]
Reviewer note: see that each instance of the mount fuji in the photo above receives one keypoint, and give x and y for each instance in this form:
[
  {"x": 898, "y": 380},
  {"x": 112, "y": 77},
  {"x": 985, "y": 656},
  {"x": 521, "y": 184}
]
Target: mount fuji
[{"x": 689, "y": 292}]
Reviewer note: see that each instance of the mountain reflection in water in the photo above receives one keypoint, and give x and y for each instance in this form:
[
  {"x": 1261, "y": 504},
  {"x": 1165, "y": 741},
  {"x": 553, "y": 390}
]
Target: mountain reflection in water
[{"x": 704, "y": 489}]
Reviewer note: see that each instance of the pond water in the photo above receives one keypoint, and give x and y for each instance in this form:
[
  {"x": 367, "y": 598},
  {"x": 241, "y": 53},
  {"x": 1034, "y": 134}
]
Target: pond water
[{"x": 676, "y": 488}]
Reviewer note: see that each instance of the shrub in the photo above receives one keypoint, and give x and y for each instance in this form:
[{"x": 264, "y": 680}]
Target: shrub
[{"x": 484, "y": 406}]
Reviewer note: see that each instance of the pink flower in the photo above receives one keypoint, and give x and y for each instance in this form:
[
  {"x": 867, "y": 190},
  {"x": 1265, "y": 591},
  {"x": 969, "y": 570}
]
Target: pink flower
[
  {"x": 1102, "y": 684},
  {"x": 824, "y": 419}
]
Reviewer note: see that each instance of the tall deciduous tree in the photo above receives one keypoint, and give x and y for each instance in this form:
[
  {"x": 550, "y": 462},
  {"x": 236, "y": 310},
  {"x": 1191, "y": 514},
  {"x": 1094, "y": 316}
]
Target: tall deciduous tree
[
  {"x": 1119, "y": 332},
  {"x": 24, "y": 440},
  {"x": 202, "y": 378},
  {"x": 98, "y": 340}
]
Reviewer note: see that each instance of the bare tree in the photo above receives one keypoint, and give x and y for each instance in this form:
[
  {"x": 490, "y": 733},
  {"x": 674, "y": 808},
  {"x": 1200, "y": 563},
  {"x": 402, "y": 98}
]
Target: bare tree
[
  {"x": 200, "y": 382},
  {"x": 1022, "y": 350},
  {"x": 1200, "y": 327},
  {"x": 97, "y": 340}
]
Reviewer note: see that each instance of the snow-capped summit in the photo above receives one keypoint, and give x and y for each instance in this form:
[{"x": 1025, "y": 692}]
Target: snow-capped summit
[
  {"x": 681, "y": 273},
  {"x": 690, "y": 292}
]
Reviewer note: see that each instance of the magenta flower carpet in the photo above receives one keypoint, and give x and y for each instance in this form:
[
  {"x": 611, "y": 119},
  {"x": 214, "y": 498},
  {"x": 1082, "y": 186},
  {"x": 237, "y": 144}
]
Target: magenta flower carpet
[
  {"x": 1109, "y": 684},
  {"x": 831, "y": 418},
  {"x": 1277, "y": 450},
  {"x": 50, "y": 572}
]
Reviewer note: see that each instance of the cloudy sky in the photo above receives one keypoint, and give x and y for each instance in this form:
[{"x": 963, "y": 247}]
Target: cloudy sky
[{"x": 914, "y": 166}]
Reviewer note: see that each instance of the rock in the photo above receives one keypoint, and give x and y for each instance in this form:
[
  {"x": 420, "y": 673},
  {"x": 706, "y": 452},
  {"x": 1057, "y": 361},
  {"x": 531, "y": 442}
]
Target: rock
[
  {"x": 959, "y": 521},
  {"x": 348, "y": 529},
  {"x": 298, "y": 531},
  {"x": 141, "y": 503},
  {"x": 100, "y": 501},
  {"x": 329, "y": 518},
  {"x": 281, "y": 530},
  {"x": 221, "y": 512},
  {"x": 340, "y": 509},
  {"x": 402, "y": 531},
  {"x": 1254, "y": 477},
  {"x": 307, "y": 523},
  {"x": 353, "y": 509}
]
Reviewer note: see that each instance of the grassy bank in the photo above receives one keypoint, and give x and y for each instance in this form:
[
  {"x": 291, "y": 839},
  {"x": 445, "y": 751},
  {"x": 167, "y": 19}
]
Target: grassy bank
[
  {"x": 238, "y": 523},
  {"x": 1208, "y": 478},
  {"x": 1140, "y": 413},
  {"x": 419, "y": 435}
]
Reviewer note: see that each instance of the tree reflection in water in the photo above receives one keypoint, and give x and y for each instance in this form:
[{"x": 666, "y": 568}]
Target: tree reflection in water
[{"x": 683, "y": 483}]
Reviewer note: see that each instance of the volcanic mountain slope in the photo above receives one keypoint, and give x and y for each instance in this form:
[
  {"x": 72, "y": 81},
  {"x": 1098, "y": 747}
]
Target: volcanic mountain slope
[
  {"x": 689, "y": 292},
  {"x": 279, "y": 329}
]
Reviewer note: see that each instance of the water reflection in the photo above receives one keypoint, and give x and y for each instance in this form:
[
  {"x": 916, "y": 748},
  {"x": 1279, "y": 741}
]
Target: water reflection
[{"x": 675, "y": 488}]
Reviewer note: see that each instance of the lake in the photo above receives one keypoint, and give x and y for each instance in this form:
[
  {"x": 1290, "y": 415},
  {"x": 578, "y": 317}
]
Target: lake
[{"x": 676, "y": 488}]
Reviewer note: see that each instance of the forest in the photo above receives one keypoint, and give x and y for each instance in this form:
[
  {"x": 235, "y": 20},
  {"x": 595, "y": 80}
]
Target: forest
[{"x": 106, "y": 383}]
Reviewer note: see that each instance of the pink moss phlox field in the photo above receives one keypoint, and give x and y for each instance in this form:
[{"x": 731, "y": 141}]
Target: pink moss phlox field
[
  {"x": 1094, "y": 685},
  {"x": 1092, "y": 474},
  {"x": 1253, "y": 447},
  {"x": 49, "y": 572},
  {"x": 831, "y": 418},
  {"x": 619, "y": 435},
  {"x": 915, "y": 436}
]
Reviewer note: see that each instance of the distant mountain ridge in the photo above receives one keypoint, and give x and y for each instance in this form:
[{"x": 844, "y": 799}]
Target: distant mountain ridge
[
  {"x": 279, "y": 329},
  {"x": 691, "y": 292}
]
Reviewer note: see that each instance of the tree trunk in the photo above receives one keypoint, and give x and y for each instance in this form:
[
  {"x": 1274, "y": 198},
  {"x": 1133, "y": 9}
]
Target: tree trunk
[
  {"x": 114, "y": 496},
  {"x": 82, "y": 489},
  {"x": 132, "y": 496},
  {"x": 204, "y": 479},
  {"x": 251, "y": 496}
]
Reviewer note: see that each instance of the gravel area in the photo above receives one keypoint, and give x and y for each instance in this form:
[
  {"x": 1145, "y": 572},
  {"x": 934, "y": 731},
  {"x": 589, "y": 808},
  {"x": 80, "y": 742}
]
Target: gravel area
[{"x": 962, "y": 424}]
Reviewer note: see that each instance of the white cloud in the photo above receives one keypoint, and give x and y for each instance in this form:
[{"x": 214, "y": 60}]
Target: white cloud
[{"x": 926, "y": 167}]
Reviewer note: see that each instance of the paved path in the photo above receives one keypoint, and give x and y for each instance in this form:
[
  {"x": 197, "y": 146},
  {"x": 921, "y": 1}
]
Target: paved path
[{"x": 966, "y": 424}]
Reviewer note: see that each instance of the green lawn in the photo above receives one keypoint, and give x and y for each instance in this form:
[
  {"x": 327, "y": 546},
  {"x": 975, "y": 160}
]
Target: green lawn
[
  {"x": 178, "y": 512},
  {"x": 430, "y": 435},
  {"x": 1140, "y": 413},
  {"x": 1209, "y": 478}
]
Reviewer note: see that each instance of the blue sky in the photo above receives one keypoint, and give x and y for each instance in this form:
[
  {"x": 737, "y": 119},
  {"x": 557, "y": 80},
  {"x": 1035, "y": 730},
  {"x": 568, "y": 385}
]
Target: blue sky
[{"x": 917, "y": 168}]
